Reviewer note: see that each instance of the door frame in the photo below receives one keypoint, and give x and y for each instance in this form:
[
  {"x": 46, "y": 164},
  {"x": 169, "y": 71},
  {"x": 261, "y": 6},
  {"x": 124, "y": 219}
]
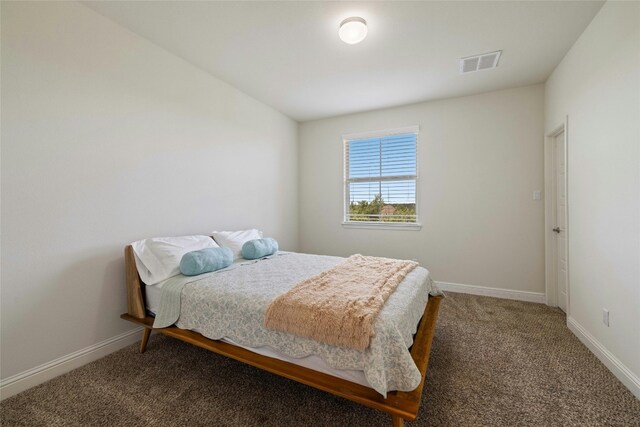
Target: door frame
[{"x": 551, "y": 285}]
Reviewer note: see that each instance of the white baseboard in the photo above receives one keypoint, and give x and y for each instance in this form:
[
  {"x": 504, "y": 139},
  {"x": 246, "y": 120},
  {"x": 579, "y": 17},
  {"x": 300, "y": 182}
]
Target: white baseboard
[
  {"x": 493, "y": 292},
  {"x": 619, "y": 369},
  {"x": 34, "y": 376}
]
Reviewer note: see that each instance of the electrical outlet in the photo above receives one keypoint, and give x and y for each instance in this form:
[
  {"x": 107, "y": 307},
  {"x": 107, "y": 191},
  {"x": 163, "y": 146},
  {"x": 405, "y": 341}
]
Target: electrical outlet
[
  {"x": 605, "y": 316},
  {"x": 536, "y": 195}
]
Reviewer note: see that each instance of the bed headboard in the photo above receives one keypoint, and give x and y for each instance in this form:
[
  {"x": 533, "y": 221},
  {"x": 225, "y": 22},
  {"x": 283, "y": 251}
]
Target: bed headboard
[{"x": 135, "y": 287}]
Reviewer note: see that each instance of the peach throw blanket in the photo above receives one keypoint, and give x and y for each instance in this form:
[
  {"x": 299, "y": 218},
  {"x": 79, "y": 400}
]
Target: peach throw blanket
[{"x": 339, "y": 306}]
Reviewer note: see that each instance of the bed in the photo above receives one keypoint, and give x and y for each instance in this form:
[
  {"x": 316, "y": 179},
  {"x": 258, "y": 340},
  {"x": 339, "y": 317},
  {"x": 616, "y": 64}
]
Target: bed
[{"x": 302, "y": 360}]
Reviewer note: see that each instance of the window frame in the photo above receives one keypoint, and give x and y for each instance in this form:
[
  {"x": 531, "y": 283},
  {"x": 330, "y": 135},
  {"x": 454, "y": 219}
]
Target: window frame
[{"x": 378, "y": 225}]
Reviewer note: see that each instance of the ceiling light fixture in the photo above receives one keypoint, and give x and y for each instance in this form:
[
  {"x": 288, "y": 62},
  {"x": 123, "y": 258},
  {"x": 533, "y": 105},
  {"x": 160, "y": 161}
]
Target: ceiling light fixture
[{"x": 353, "y": 30}]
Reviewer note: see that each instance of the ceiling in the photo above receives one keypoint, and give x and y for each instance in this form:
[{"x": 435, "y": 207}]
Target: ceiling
[{"x": 288, "y": 54}]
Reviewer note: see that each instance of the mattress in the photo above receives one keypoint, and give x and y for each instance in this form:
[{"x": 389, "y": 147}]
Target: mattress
[{"x": 153, "y": 294}]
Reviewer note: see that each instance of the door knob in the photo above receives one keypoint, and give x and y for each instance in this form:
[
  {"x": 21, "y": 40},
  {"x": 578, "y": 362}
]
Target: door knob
[{"x": 556, "y": 230}]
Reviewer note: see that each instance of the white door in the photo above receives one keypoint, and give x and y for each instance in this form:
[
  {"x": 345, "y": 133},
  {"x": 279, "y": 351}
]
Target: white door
[{"x": 560, "y": 220}]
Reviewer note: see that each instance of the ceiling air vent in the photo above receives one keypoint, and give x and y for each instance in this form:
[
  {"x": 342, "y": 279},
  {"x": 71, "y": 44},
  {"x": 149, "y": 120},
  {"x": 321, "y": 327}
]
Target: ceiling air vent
[{"x": 486, "y": 61}]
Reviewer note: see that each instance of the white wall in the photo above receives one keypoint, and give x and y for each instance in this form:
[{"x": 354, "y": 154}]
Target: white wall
[
  {"x": 106, "y": 139},
  {"x": 597, "y": 85},
  {"x": 479, "y": 157}
]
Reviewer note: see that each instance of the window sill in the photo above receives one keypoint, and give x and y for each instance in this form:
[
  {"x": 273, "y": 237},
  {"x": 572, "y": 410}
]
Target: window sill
[{"x": 382, "y": 225}]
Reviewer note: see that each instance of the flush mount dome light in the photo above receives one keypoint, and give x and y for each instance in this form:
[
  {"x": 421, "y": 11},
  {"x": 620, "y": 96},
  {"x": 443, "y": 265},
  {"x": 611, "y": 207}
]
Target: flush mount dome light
[{"x": 353, "y": 30}]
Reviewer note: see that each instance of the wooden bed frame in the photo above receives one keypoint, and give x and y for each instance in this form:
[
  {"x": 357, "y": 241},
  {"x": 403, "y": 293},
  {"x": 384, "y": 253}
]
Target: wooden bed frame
[{"x": 400, "y": 405}]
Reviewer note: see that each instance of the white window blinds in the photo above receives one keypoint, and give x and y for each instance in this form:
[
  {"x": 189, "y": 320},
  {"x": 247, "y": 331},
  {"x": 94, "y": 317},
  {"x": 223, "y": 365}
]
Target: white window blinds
[{"x": 380, "y": 170}]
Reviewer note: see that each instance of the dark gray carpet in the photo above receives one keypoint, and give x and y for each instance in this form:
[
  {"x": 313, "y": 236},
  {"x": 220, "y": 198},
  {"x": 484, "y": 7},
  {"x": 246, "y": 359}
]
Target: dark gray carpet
[{"x": 494, "y": 363}]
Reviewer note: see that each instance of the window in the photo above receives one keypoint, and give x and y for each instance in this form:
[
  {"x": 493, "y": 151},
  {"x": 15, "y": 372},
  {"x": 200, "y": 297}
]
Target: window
[{"x": 380, "y": 178}]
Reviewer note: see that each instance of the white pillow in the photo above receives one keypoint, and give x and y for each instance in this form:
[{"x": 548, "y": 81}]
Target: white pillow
[
  {"x": 235, "y": 239},
  {"x": 159, "y": 258}
]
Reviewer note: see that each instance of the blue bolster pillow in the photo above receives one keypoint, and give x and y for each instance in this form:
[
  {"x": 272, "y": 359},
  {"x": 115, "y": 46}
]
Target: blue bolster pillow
[
  {"x": 205, "y": 261},
  {"x": 258, "y": 248}
]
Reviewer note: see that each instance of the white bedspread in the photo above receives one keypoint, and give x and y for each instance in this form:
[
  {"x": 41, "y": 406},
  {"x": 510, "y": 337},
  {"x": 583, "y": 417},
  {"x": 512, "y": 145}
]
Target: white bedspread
[{"x": 232, "y": 306}]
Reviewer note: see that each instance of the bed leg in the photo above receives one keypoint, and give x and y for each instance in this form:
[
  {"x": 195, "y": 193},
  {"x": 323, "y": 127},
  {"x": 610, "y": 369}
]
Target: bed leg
[
  {"x": 397, "y": 421},
  {"x": 145, "y": 339}
]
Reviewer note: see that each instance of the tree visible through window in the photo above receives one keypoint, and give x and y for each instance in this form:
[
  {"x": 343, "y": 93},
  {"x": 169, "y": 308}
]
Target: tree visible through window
[{"x": 381, "y": 176}]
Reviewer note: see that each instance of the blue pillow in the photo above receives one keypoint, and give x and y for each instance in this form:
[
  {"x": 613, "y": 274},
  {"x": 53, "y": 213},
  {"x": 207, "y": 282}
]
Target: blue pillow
[
  {"x": 258, "y": 248},
  {"x": 205, "y": 261}
]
